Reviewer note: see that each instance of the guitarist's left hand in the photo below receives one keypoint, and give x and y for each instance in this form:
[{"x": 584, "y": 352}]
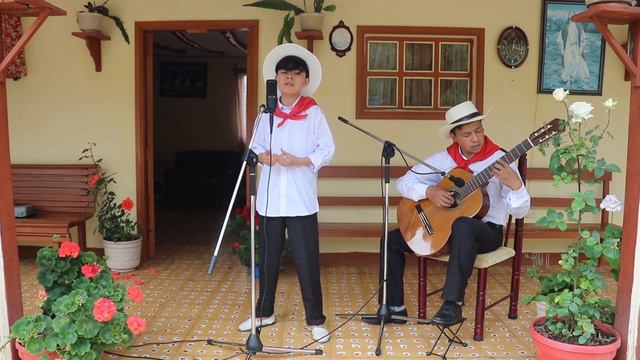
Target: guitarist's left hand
[{"x": 506, "y": 175}]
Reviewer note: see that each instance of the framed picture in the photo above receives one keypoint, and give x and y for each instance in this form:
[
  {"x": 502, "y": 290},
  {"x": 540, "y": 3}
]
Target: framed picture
[
  {"x": 571, "y": 53},
  {"x": 183, "y": 80}
]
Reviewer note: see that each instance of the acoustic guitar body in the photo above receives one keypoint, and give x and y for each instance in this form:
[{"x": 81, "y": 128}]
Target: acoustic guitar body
[{"x": 413, "y": 217}]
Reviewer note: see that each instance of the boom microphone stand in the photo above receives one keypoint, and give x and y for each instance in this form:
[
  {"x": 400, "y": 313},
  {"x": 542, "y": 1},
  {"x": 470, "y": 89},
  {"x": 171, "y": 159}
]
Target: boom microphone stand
[
  {"x": 253, "y": 344},
  {"x": 384, "y": 314}
]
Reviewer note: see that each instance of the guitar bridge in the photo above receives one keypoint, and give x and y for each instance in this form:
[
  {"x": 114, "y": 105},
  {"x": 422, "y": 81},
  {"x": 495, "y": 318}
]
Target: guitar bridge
[{"x": 424, "y": 219}]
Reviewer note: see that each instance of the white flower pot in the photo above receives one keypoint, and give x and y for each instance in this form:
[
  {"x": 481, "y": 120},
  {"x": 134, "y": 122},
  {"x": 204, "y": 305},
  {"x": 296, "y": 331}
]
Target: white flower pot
[
  {"x": 592, "y": 2},
  {"x": 89, "y": 21},
  {"x": 541, "y": 308},
  {"x": 123, "y": 256},
  {"x": 311, "y": 21}
]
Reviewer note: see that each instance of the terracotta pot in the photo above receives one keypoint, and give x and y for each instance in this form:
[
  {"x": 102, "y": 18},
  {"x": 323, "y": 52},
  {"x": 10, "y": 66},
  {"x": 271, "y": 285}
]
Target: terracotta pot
[
  {"x": 24, "y": 355},
  {"x": 548, "y": 349}
]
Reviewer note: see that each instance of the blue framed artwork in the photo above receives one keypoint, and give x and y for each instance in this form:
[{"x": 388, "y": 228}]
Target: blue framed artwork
[
  {"x": 571, "y": 53},
  {"x": 183, "y": 80}
]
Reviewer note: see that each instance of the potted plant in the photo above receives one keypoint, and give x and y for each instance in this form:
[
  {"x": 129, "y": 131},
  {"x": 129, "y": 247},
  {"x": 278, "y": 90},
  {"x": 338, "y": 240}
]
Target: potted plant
[
  {"x": 308, "y": 20},
  {"x": 240, "y": 227},
  {"x": 576, "y": 308},
  {"x": 122, "y": 244},
  {"x": 83, "y": 308},
  {"x": 91, "y": 19}
]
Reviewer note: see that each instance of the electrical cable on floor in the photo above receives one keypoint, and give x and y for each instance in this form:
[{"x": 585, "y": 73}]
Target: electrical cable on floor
[{"x": 241, "y": 350}]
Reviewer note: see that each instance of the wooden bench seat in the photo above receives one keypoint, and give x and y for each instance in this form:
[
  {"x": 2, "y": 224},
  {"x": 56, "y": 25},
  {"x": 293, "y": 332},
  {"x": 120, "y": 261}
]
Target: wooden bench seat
[{"x": 61, "y": 196}]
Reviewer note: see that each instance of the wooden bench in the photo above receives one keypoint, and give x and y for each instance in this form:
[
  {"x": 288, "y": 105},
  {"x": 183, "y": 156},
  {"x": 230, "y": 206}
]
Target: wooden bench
[
  {"x": 61, "y": 196},
  {"x": 373, "y": 230},
  {"x": 357, "y": 229}
]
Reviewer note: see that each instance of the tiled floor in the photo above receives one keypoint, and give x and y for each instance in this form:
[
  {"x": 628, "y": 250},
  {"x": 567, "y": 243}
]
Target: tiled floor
[{"x": 184, "y": 306}]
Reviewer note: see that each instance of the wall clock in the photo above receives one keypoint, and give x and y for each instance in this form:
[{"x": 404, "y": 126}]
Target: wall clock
[
  {"x": 341, "y": 39},
  {"x": 513, "y": 47}
]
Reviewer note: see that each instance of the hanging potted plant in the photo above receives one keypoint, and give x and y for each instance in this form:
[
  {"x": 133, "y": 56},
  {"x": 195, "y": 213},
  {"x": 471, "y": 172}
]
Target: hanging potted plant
[
  {"x": 91, "y": 19},
  {"x": 122, "y": 244},
  {"x": 308, "y": 20},
  {"x": 574, "y": 324}
]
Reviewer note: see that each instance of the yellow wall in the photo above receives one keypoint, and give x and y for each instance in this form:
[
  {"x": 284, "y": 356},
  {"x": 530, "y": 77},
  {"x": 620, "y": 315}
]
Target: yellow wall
[{"x": 63, "y": 103}]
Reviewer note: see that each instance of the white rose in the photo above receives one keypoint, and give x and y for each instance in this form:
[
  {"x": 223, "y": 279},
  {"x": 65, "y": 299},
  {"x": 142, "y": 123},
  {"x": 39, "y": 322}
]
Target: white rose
[
  {"x": 609, "y": 104},
  {"x": 611, "y": 203},
  {"x": 579, "y": 111},
  {"x": 559, "y": 94}
]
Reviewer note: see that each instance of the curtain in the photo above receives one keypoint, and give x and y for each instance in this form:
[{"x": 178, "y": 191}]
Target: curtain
[
  {"x": 11, "y": 33},
  {"x": 241, "y": 105}
]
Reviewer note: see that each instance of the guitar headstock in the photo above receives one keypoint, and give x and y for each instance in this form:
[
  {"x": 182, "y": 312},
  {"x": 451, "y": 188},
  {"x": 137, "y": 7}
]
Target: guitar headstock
[{"x": 546, "y": 132}]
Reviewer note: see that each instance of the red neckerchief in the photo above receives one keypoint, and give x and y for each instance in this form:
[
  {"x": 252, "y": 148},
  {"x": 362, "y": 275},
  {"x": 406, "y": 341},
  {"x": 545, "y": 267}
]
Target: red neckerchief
[
  {"x": 303, "y": 104},
  {"x": 488, "y": 149}
]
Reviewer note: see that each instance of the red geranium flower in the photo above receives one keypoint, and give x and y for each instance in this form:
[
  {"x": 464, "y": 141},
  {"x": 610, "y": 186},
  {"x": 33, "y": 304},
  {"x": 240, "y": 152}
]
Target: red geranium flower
[
  {"x": 90, "y": 270},
  {"x": 115, "y": 275},
  {"x": 94, "y": 180},
  {"x": 134, "y": 293},
  {"x": 69, "y": 249},
  {"x": 236, "y": 245},
  {"x": 104, "y": 310},
  {"x": 127, "y": 204},
  {"x": 42, "y": 294},
  {"x": 136, "y": 324},
  {"x": 138, "y": 282}
]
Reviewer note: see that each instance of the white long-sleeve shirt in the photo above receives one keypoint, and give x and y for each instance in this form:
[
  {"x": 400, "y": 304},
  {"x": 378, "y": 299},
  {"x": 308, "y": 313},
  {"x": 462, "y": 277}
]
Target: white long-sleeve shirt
[
  {"x": 503, "y": 200},
  {"x": 293, "y": 190}
]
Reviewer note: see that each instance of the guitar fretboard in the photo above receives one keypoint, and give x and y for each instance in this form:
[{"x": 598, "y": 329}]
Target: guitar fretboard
[{"x": 485, "y": 175}]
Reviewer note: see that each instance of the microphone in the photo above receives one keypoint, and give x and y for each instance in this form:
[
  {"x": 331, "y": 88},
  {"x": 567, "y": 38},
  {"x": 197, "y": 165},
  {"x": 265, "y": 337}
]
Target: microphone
[
  {"x": 272, "y": 100},
  {"x": 343, "y": 119}
]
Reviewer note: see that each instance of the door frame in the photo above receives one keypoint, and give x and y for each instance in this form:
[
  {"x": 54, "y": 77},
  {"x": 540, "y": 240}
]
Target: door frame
[{"x": 144, "y": 107}]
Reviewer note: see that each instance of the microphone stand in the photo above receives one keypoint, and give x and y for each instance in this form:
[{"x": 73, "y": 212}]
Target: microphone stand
[
  {"x": 384, "y": 314},
  {"x": 253, "y": 344}
]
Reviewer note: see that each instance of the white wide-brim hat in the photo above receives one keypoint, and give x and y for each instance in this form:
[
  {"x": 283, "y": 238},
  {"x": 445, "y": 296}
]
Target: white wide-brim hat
[
  {"x": 280, "y": 51},
  {"x": 460, "y": 114}
]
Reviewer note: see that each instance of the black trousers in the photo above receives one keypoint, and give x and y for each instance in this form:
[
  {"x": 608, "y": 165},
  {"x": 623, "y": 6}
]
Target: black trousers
[
  {"x": 305, "y": 250},
  {"x": 469, "y": 237}
]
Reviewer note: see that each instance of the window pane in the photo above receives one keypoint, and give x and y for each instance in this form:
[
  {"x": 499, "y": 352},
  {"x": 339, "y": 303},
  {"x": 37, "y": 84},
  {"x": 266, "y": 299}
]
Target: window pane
[
  {"x": 454, "y": 57},
  {"x": 418, "y": 92},
  {"x": 382, "y": 91},
  {"x": 453, "y": 91},
  {"x": 383, "y": 56},
  {"x": 418, "y": 56}
]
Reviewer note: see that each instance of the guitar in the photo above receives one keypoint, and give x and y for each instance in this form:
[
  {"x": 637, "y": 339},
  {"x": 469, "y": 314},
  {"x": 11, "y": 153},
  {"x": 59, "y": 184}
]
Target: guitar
[{"x": 426, "y": 227}]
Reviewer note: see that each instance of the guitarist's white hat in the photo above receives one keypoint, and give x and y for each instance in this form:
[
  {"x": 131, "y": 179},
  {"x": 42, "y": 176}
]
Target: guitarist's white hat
[{"x": 460, "y": 114}]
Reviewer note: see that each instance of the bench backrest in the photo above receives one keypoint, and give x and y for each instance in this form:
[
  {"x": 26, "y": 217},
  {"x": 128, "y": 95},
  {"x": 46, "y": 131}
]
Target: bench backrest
[
  {"x": 358, "y": 172},
  {"x": 54, "y": 188}
]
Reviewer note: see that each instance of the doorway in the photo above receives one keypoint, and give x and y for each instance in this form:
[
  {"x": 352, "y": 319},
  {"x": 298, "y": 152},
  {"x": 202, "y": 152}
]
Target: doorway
[{"x": 196, "y": 86}]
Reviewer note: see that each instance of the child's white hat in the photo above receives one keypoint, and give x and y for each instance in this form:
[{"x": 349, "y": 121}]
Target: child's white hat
[{"x": 280, "y": 51}]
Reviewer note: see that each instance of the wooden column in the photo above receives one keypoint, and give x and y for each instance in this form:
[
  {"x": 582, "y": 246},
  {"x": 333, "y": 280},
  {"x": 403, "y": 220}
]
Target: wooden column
[{"x": 602, "y": 15}]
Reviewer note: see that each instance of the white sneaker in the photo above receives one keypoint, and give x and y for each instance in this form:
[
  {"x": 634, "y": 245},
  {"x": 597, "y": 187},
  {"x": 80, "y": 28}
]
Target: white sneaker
[
  {"x": 260, "y": 322},
  {"x": 320, "y": 333}
]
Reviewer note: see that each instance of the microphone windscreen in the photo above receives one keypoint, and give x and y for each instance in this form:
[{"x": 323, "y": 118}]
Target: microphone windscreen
[{"x": 272, "y": 95}]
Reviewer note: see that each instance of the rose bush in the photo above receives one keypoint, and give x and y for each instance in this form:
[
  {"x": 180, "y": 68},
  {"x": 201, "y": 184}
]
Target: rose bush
[{"x": 574, "y": 295}]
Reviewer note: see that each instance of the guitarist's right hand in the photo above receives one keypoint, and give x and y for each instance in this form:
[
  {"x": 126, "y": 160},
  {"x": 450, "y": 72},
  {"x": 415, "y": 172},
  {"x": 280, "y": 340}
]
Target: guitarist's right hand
[{"x": 439, "y": 197}]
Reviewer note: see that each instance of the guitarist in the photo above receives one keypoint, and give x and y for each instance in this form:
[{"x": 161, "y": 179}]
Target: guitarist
[{"x": 473, "y": 151}]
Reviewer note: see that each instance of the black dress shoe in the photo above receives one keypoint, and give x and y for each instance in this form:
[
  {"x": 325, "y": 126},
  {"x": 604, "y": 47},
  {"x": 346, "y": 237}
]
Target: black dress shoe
[
  {"x": 375, "y": 320},
  {"x": 450, "y": 313}
]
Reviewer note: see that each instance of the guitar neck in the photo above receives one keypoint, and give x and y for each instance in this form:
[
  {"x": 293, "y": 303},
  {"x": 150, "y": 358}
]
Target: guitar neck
[{"x": 485, "y": 175}]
